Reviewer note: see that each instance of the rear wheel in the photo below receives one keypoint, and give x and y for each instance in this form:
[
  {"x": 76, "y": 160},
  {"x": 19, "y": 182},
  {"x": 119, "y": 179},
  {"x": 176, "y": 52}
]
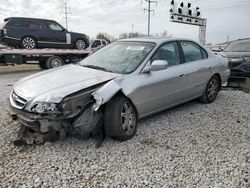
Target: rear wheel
[
  {"x": 120, "y": 119},
  {"x": 54, "y": 62},
  {"x": 28, "y": 43},
  {"x": 211, "y": 90}
]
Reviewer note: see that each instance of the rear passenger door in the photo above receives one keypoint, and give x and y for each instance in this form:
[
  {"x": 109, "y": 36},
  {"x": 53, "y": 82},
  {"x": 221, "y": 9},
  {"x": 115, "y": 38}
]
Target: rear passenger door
[
  {"x": 37, "y": 30},
  {"x": 196, "y": 67}
]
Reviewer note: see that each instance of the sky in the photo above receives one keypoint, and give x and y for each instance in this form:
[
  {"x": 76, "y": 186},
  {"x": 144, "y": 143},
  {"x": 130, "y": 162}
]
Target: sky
[{"x": 224, "y": 17}]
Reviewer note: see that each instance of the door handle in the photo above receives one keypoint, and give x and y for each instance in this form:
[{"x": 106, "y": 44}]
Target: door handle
[
  {"x": 209, "y": 68},
  {"x": 181, "y": 75}
]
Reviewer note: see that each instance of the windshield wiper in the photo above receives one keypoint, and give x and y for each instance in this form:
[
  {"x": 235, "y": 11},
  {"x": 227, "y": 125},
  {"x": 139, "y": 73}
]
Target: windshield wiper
[{"x": 96, "y": 67}]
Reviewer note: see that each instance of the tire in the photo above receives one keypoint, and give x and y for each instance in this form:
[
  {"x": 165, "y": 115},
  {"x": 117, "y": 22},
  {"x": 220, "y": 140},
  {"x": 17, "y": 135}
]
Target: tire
[
  {"x": 211, "y": 91},
  {"x": 80, "y": 44},
  {"x": 42, "y": 64},
  {"x": 116, "y": 122},
  {"x": 28, "y": 43},
  {"x": 54, "y": 61}
]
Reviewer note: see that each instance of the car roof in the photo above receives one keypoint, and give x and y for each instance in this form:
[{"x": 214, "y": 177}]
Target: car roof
[
  {"x": 25, "y": 18},
  {"x": 155, "y": 39}
]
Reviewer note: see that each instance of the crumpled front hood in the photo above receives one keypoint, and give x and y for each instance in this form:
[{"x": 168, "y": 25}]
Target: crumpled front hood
[{"x": 53, "y": 85}]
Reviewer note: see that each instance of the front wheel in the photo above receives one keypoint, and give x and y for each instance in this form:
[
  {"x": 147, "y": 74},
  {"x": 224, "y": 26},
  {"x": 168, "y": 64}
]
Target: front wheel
[
  {"x": 120, "y": 119},
  {"x": 80, "y": 44},
  {"x": 211, "y": 91}
]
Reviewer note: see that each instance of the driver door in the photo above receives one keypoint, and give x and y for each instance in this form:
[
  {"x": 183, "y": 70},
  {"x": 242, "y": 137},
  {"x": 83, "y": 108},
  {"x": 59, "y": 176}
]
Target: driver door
[
  {"x": 164, "y": 88},
  {"x": 56, "y": 34}
]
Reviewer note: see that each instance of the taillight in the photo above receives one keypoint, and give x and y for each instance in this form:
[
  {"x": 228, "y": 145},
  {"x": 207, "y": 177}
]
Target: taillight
[{"x": 4, "y": 32}]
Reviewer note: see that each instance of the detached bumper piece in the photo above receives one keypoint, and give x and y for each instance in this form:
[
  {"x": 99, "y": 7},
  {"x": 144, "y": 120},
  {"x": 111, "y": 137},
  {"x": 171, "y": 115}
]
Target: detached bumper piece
[
  {"x": 38, "y": 130},
  {"x": 26, "y": 136}
]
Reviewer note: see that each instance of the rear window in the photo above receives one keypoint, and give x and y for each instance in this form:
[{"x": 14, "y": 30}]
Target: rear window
[
  {"x": 2, "y": 24},
  {"x": 191, "y": 51}
]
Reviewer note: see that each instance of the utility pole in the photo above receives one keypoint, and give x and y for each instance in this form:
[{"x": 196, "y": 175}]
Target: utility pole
[
  {"x": 132, "y": 30},
  {"x": 66, "y": 13},
  {"x": 149, "y": 12}
]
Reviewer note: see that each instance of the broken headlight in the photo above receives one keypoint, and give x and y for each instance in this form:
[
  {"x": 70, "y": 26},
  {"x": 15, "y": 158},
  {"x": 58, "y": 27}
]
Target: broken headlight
[
  {"x": 98, "y": 102},
  {"x": 43, "y": 107},
  {"x": 247, "y": 58}
]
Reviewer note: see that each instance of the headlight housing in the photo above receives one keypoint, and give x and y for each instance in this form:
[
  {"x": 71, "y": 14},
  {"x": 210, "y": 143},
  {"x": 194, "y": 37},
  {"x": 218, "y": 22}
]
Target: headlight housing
[
  {"x": 44, "y": 107},
  {"x": 247, "y": 58}
]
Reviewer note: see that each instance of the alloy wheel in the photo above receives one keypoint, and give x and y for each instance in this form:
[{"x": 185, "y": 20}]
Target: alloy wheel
[
  {"x": 128, "y": 119},
  {"x": 213, "y": 88},
  {"x": 80, "y": 44},
  {"x": 28, "y": 43}
]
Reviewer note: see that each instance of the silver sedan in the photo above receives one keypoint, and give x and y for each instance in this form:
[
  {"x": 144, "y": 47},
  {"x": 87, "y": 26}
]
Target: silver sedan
[{"x": 114, "y": 87}]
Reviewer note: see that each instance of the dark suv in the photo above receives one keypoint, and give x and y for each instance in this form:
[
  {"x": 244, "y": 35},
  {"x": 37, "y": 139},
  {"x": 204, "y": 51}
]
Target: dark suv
[
  {"x": 39, "y": 33},
  {"x": 238, "y": 54}
]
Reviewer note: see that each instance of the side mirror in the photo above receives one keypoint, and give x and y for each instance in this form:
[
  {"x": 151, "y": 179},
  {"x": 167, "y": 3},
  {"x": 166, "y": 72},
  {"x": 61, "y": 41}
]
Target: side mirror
[
  {"x": 64, "y": 30},
  {"x": 156, "y": 66}
]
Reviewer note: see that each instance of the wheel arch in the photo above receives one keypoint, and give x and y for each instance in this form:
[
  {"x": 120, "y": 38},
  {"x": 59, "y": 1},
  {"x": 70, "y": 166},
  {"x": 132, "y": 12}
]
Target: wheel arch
[
  {"x": 109, "y": 91},
  {"x": 120, "y": 93}
]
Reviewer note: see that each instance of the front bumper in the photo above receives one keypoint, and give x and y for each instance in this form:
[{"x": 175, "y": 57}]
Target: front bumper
[
  {"x": 240, "y": 73},
  {"x": 82, "y": 124},
  {"x": 240, "y": 68}
]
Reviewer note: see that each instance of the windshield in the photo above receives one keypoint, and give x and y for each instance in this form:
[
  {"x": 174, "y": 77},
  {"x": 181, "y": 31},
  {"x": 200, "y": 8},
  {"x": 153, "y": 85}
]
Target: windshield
[
  {"x": 238, "y": 46},
  {"x": 119, "y": 57}
]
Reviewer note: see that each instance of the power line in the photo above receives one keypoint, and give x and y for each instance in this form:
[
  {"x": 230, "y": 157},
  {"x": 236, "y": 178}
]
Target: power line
[{"x": 149, "y": 10}]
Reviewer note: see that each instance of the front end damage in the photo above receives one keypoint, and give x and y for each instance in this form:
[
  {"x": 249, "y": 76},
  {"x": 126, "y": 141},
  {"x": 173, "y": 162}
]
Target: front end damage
[{"x": 78, "y": 114}]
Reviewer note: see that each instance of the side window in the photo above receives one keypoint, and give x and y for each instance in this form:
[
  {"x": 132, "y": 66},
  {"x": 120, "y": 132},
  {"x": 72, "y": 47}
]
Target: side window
[
  {"x": 54, "y": 26},
  {"x": 18, "y": 23},
  {"x": 34, "y": 25},
  {"x": 103, "y": 42},
  {"x": 191, "y": 51},
  {"x": 204, "y": 54},
  {"x": 96, "y": 43},
  {"x": 169, "y": 52}
]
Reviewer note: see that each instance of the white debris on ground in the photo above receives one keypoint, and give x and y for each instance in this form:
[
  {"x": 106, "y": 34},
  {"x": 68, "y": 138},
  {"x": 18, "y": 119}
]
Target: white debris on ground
[{"x": 193, "y": 145}]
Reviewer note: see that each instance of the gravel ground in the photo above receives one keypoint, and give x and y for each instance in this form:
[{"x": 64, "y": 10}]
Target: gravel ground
[{"x": 193, "y": 145}]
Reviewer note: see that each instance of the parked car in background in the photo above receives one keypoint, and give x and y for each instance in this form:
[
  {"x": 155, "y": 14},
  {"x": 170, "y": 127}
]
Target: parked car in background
[
  {"x": 117, "y": 85},
  {"x": 238, "y": 54},
  {"x": 98, "y": 43},
  {"x": 39, "y": 33}
]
